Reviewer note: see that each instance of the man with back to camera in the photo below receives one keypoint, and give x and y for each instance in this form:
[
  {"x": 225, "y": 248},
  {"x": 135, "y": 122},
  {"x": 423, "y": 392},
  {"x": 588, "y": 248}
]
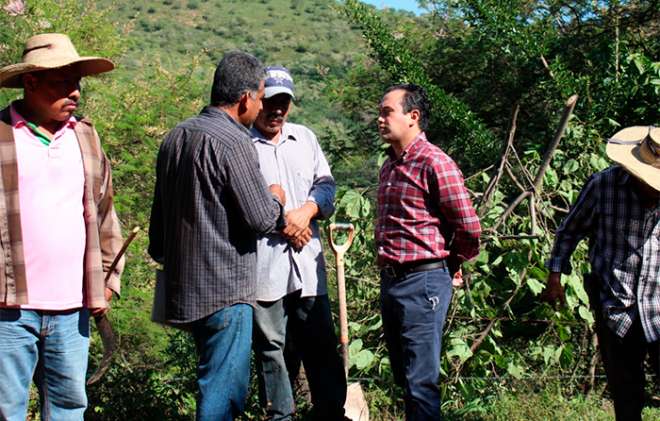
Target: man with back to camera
[
  {"x": 210, "y": 202},
  {"x": 422, "y": 204},
  {"x": 59, "y": 232},
  {"x": 619, "y": 211},
  {"x": 292, "y": 298}
]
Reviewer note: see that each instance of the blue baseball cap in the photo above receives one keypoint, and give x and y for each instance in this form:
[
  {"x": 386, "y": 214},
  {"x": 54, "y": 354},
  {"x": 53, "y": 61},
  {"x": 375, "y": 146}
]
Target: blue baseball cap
[{"x": 278, "y": 81}]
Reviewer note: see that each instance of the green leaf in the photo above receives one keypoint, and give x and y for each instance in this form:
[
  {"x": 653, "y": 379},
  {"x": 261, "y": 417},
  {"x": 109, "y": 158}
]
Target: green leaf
[
  {"x": 460, "y": 349},
  {"x": 535, "y": 286},
  {"x": 551, "y": 178},
  {"x": 354, "y": 327},
  {"x": 571, "y": 166},
  {"x": 363, "y": 359},
  {"x": 365, "y": 207},
  {"x": 548, "y": 352},
  {"x": 351, "y": 201},
  {"x": 515, "y": 371},
  {"x": 482, "y": 257},
  {"x": 354, "y": 347},
  {"x": 577, "y": 287},
  {"x": 586, "y": 315}
]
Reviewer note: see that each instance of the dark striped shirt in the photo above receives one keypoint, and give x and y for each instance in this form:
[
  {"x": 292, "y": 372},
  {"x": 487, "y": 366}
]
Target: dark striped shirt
[
  {"x": 210, "y": 203},
  {"x": 624, "y": 250}
]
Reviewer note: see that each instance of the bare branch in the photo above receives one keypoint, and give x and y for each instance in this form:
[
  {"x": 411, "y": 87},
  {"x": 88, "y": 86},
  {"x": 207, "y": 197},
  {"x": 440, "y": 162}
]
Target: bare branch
[
  {"x": 545, "y": 163},
  {"x": 547, "y": 157},
  {"x": 494, "y": 182},
  {"x": 532, "y": 212},
  {"x": 547, "y": 67},
  {"x": 513, "y": 178}
]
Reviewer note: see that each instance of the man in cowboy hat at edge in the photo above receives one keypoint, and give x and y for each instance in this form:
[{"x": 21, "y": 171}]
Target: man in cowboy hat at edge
[
  {"x": 619, "y": 210},
  {"x": 58, "y": 229}
]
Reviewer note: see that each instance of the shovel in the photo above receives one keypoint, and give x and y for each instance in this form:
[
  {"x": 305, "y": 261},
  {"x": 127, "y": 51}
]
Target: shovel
[{"x": 356, "y": 407}]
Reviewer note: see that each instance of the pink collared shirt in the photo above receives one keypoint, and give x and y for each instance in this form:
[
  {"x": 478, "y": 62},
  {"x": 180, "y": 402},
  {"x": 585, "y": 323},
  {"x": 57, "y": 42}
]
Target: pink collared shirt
[{"x": 51, "y": 186}]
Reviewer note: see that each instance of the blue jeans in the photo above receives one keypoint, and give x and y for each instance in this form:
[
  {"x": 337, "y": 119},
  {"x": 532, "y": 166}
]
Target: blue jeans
[
  {"x": 414, "y": 307},
  {"x": 286, "y": 331},
  {"x": 223, "y": 342},
  {"x": 52, "y": 348}
]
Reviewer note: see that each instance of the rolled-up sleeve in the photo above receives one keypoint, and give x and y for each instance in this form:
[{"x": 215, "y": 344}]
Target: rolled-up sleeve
[
  {"x": 323, "y": 188},
  {"x": 578, "y": 223}
]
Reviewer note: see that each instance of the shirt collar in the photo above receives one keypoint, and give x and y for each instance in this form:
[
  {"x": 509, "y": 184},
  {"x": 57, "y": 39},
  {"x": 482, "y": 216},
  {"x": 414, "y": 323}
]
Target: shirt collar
[
  {"x": 409, "y": 150},
  {"x": 18, "y": 121},
  {"x": 286, "y": 134},
  {"x": 211, "y": 111},
  {"x": 623, "y": 177}
]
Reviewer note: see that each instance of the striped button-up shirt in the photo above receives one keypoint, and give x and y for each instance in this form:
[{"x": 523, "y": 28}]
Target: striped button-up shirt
[
  {"x": 422, "y": 205},
  {"x": 297, "y": 163},
  {"x": 210, "y": 203},
  {"x": 102, "y": 231},
  {"x": 624, "y": 250}
]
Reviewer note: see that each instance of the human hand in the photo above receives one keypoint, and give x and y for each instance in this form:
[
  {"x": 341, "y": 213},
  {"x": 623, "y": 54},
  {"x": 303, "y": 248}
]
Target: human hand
[
  {"x": 297, "y": 220},
  {"x": 100, "y": 311},
  {"x": 553, "y": 290},
  {"x": 301, "y": 240},
  {"x": 277, "y": 190},
  {"x": 457, "y": 280}
]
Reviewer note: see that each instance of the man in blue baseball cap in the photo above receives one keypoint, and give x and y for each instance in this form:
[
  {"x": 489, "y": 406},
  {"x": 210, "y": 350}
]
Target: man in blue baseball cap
[{"x": 292, "y": 301}]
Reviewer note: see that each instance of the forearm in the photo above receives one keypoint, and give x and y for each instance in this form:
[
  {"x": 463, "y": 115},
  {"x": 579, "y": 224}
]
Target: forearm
[{"x": 323, "y": 195}]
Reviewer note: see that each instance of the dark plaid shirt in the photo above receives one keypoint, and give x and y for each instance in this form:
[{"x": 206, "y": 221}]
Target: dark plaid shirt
[
  {"x": 624, "y": 250},
  {"x": 210, "y": 203},
  {"x": 423, "y": 203}
]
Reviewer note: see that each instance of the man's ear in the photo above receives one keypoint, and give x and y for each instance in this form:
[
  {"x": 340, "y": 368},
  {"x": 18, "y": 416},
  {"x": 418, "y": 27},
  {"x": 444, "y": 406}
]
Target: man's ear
[
  {"x": 242, "y": 103},
  {"x": 415, "y": 116},
  {"x": 29, "y": 82}
]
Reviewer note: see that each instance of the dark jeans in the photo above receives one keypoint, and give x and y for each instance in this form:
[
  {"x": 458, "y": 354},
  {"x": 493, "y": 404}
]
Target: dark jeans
[
  {"x": 307, "y": 323},
  {"x": 223, "y": 342},
  {"x": 414, "y": 307},
  {"x": 623, "y": 359}
]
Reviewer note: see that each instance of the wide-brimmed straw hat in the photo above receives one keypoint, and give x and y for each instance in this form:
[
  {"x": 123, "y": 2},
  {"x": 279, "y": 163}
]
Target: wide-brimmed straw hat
[
  {"x": 637, "y": 149},
  {"x": 51, "y": 51}
]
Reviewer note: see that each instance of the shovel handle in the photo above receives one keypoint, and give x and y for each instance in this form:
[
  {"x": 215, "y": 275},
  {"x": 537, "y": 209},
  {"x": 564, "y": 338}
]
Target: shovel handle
[
  {"x": 340, "y": 250},
  {"x": 342, "y": 226}
]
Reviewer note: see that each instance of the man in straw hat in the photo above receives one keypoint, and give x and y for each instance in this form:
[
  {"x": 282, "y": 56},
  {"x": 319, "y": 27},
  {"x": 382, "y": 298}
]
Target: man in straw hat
[
  {"x": 619, "y": 210},
  {"x": 58, "y": 229}
]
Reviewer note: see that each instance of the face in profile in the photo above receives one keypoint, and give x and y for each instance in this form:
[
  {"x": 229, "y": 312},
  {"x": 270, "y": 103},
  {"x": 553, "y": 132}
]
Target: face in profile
[
  {"x": 54, "y": 94},
  {"x": 273, "y": 115},
  {"x": 393, "y": 123},
  {"x": 252, "y": 106}
]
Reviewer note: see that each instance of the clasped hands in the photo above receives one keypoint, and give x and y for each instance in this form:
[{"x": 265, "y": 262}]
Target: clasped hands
[{"x": 297, "y": 231}]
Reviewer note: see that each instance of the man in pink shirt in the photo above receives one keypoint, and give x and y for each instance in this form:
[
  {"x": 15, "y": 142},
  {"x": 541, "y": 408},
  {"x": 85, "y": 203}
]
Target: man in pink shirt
[{"x": 58, "y": 231}]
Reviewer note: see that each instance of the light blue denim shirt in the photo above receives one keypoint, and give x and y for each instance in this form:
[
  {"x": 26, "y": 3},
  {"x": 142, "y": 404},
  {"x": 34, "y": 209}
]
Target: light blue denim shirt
[{"x": 297, "y": 163}]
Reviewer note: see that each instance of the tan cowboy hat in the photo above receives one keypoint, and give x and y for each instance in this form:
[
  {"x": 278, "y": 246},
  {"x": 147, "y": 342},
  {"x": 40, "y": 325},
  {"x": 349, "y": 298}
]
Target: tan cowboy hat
[
  {"x": 50, "y": 51},
  {"x": 637, "y": 149}
]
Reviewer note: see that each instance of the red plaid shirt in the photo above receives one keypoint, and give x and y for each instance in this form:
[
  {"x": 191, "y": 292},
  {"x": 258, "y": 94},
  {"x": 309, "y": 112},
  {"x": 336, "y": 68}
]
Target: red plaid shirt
[{"x": 423, "y": 205}]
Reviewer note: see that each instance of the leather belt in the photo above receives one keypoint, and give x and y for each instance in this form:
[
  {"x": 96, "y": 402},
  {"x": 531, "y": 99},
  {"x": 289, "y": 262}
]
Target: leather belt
[{"x": 399, "y": 270}]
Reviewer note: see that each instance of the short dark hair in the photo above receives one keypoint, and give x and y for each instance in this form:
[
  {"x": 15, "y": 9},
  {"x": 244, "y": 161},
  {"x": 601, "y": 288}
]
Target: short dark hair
[
  {"x": 415, "y": 98},
  {"x": 238, "y": 72}
]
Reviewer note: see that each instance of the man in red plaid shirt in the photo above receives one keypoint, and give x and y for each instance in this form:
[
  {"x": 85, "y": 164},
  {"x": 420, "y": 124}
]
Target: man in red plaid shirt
[{"x": 426, "y": 228}]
